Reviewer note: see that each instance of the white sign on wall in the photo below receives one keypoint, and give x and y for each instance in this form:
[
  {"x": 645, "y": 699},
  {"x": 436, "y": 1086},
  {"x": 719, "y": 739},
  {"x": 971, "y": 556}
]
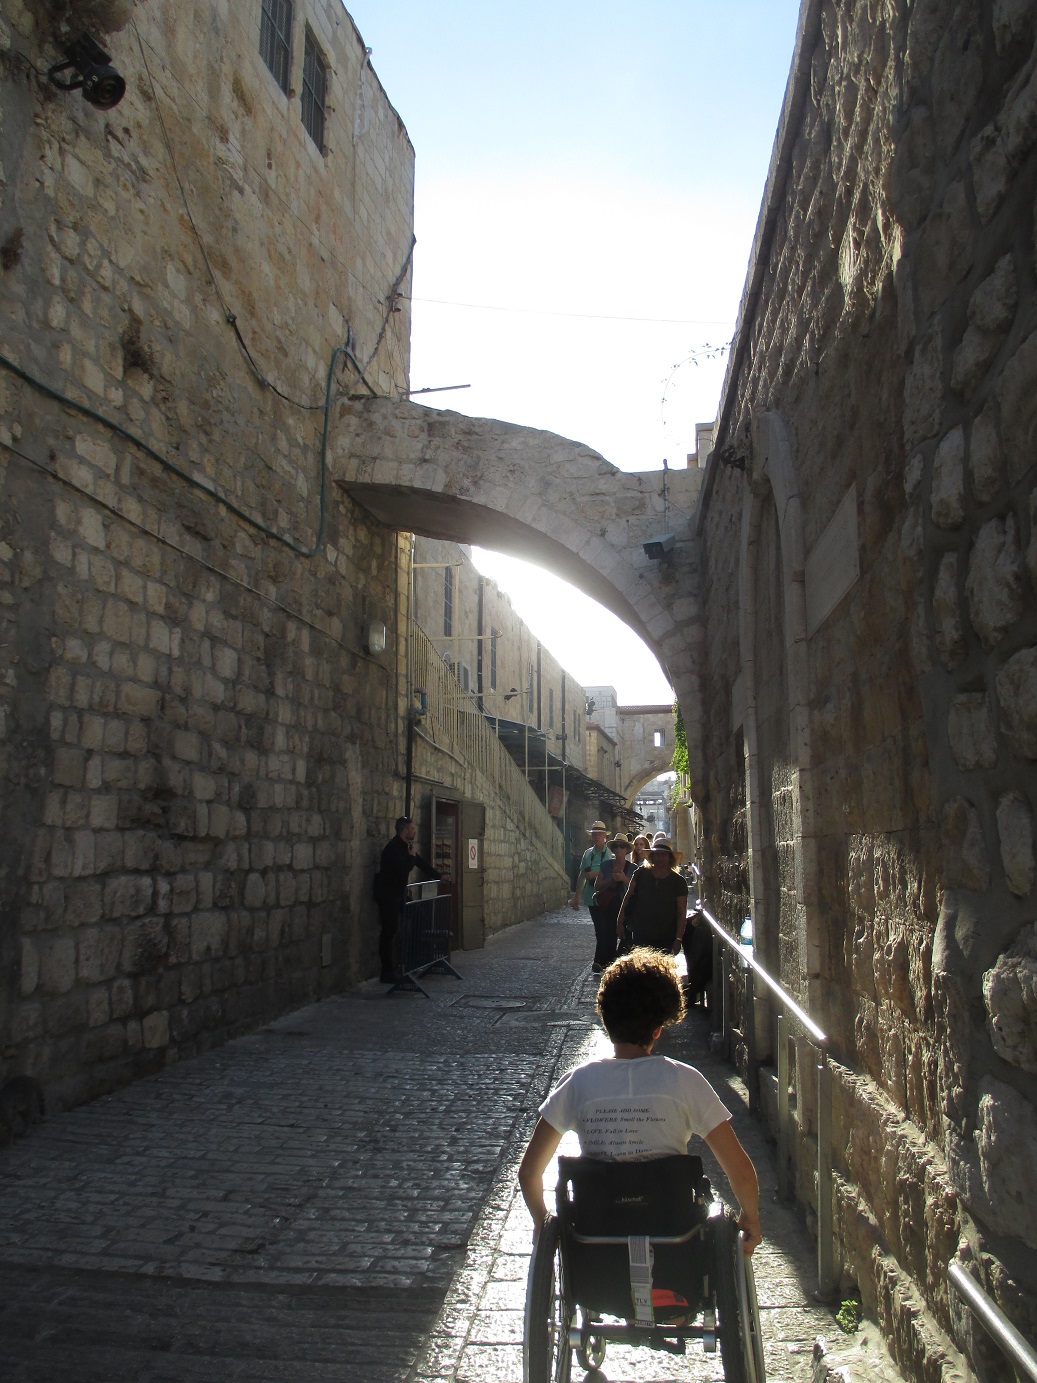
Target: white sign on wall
[{"x": 473, "y": 854}]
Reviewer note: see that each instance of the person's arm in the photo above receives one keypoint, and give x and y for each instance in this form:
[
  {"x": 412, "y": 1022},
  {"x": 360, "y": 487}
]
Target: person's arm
[
  {"x": 539, "y": 1151},
  {"x": 741, "y": 1175},
  {"x": 682, "y": 922},
  {"x": 631, "y": 888},
  {"x": 416, "y": 861}
]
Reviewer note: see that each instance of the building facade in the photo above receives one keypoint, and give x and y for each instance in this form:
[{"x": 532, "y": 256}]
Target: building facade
[
  {"x": 200, "y": 757},
  {"x": 871, "y": 672}
]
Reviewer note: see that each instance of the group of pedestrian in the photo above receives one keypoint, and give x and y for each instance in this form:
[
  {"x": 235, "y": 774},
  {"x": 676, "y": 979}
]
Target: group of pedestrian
[{"x": 637, "y": 896}]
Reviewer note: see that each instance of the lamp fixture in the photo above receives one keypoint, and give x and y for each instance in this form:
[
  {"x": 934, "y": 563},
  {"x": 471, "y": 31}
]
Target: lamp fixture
[{"x": 97, "y": 79}]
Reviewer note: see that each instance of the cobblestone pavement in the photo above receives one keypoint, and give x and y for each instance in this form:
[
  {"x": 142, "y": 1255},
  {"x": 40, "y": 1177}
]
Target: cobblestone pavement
[{"x": 334, "y": 1197}]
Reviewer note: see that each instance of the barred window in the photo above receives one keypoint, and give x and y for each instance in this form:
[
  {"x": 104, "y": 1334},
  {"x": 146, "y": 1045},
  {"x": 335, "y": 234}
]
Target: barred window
[
  {"x": 529, "y": 691},
  {"x": 275, "y": 40},
  {"x": 494, "y": 636},
  {"x": 314, "y": 91},
  {"x": 448, "y": 602},
  {"x": 550, "y": 708}
]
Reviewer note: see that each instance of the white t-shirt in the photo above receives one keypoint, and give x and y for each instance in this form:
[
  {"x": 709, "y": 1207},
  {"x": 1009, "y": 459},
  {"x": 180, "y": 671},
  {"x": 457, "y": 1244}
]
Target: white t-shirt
[{"x": 624, "y": 1110}]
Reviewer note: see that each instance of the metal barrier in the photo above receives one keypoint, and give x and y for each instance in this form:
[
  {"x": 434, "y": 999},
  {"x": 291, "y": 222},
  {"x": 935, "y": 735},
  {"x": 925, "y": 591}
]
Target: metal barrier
[
  {"x": 424, "y": 939},
  {"x": 998, "y": 1326},
  {"x": 745, "y": 970}
]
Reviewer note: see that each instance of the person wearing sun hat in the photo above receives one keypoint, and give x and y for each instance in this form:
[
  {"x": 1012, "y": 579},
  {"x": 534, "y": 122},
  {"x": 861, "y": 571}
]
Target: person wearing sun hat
[
  {"x": 593, "y": 858},
  {"x": 655, "y": 908},
  {"x": 613, "y": 877},
  {"x": 587, "y": 879}
]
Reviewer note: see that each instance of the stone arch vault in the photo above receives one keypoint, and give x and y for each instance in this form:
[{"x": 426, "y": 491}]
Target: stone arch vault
[{"x": 544, "y": 498}]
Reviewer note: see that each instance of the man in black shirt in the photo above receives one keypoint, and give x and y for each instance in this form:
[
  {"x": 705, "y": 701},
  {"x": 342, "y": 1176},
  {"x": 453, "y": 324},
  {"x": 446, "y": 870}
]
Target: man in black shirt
[{"x": 398, "y": 859}]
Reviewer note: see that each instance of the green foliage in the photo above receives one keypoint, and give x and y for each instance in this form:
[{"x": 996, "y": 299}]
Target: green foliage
[
  {"x": 848, "y": 1317},
  {"x": 680, "y": 742}
]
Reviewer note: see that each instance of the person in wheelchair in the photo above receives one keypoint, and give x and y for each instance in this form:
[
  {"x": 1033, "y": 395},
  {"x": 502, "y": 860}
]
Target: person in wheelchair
[{"x": 634, "y": 1105}]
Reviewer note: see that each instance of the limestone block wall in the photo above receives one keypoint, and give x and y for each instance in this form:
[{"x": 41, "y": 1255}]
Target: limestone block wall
[
  {"x": 198, "y": 756},
  {"x": 872, "y": 511}
]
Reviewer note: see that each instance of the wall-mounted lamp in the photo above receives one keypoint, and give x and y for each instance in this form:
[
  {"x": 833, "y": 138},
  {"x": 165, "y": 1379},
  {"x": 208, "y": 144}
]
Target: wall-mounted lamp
[
  {"x": 374, "y": 639},
  {"x": 98, "y": 80}
]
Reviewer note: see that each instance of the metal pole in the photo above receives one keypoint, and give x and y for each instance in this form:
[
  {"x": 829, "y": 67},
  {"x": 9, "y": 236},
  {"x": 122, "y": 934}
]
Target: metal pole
[
  {"x": 994, "y": 1321},
  {"x": 783, "y": 1107},
  {"x": 749, "y": 1032},
  {"x": 410, "y": 760},
  {"x": 826, "y": 1283}
]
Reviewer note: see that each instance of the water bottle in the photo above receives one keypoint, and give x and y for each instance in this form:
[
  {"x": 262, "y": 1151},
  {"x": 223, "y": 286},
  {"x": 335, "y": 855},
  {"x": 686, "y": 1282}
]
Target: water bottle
[{"x": 745, "y": 939}]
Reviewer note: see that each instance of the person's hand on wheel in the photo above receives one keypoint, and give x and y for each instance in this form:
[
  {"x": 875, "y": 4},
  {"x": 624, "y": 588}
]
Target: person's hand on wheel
[{"x": 753, "y": 1232}]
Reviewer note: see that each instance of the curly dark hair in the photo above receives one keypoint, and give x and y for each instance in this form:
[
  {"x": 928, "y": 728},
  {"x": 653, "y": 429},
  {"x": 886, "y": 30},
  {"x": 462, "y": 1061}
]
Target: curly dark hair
[{"x": 639, "y": 993}]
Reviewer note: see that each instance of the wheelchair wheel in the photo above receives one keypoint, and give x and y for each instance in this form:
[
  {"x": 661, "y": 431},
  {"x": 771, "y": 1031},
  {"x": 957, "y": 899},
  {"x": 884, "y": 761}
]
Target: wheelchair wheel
[
  {"x": 741, "y": 1345},
  {"x": 546, "y": 1346},
  {"x": 749, "y": 1314}
]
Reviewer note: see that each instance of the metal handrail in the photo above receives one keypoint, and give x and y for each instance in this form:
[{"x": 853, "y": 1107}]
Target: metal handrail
[
  {"x": 826, "y": 1274},
  {"x": 996, "y": 1323},
  {"x": 786, "y": 998}
]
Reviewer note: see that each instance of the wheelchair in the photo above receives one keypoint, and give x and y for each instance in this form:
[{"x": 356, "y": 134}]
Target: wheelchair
[{"x": 640, "y": 1254}]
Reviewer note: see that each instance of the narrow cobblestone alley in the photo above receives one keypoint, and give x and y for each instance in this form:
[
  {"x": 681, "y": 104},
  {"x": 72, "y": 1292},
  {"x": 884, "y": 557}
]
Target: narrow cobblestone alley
[{"x": 333, "y": 1197}]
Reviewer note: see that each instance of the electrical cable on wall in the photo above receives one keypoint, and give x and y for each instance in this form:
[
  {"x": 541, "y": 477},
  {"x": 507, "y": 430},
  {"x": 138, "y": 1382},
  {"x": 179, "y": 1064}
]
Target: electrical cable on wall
[
  {"x": 159, "y": 537},
  {"x": 269, "y": 188},
  {"x": 229, "y": 316},
  {"x": 207, "y": 487}
]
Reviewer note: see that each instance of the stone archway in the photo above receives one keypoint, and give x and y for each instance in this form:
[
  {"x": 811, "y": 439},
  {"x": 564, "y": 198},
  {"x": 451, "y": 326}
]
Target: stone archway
[{"x": 544, "y": 498}]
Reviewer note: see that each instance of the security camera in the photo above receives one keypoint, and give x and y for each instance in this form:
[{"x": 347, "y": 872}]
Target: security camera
[
  {"x": 656, "y": 548},
  {"x": 99, "y": 82}
]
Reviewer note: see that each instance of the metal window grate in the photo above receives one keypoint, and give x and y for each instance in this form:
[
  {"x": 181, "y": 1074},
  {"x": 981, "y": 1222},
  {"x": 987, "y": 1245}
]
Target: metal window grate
[
  {"x": 275, "y": 40},
  {"x": 314, "y": 91}
]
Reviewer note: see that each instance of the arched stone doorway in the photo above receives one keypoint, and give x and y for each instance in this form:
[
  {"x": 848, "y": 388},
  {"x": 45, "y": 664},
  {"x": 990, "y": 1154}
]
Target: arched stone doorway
[{"x": 782, "y": 846}]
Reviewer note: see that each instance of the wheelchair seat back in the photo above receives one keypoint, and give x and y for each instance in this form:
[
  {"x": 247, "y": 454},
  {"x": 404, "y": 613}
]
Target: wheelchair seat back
[{"x": 602, "y": 1204}]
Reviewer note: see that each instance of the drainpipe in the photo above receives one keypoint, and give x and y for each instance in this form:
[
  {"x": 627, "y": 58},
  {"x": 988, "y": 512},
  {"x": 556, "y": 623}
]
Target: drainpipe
[{"x": 479, "y": 617}]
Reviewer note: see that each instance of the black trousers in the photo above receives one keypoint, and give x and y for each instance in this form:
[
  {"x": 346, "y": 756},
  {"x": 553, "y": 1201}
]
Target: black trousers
[
  {"x": 605, "y": 939},
  {"x": 389, "y": 910},
  {"x": 698, "y": 952}
]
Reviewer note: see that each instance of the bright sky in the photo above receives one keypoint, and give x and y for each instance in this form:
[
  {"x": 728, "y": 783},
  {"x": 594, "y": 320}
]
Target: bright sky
[{"x": 588, "y": 182}]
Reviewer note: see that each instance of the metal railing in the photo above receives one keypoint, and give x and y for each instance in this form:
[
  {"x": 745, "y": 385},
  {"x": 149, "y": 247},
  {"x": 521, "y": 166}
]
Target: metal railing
[
  {"x": 995, "y": 1322},
  {"x": 748, "y": 968},
  {"x": 456, "y": 725},
  {"x": 1004, "y": 1334},
  {"x": 424, "y": 937}
]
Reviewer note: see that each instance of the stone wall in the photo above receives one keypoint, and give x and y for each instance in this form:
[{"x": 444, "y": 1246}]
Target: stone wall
[
  {"x": 871, "y": 678},
  {"x": 199, "y": 759}
]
